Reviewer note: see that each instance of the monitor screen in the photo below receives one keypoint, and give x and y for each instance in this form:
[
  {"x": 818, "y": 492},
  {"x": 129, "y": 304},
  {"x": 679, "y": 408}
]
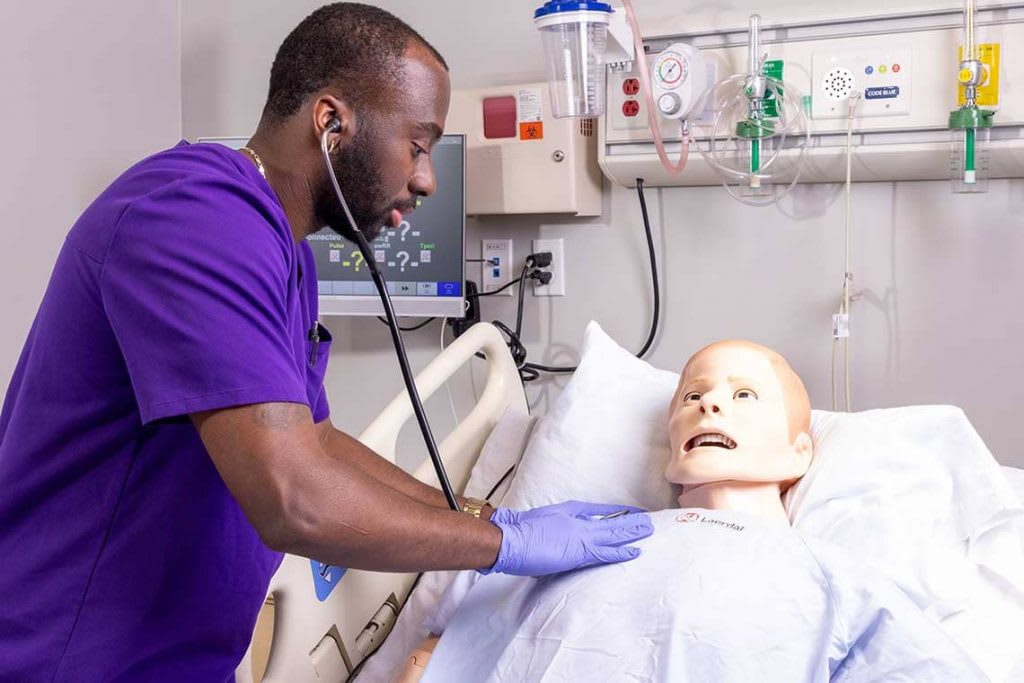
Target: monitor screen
[{"x": 422, "y": 260}]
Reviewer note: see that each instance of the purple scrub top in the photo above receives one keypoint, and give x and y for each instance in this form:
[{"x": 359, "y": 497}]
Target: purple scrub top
[{"x": 123, "y": 556}]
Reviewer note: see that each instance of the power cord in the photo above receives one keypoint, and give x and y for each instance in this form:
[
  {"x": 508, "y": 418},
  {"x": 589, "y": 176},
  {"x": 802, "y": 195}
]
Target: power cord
[
  {"x": 413, "y": 328},
  {"x": 655, "y": 319}
]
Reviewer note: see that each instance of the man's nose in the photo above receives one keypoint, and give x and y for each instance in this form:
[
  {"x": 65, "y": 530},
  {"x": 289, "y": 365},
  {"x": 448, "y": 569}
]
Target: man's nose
[{"x": 423, "y": 181}]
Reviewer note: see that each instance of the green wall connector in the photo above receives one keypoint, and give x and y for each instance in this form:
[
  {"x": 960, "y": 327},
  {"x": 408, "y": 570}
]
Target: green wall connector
[{"x": 970, "y": 117}]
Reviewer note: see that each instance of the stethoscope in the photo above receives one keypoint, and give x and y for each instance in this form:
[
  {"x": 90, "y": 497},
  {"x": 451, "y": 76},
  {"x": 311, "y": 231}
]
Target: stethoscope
[{"x": 396, "y": 335}]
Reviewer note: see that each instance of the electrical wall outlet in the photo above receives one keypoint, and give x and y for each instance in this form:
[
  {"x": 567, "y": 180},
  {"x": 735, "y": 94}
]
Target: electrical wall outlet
[
  {"x": 499, "y": 273},
  {"x": 557, "y": 268}
]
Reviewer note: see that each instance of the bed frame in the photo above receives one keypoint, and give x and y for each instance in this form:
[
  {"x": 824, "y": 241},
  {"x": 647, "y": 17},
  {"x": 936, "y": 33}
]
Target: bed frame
[{"x": 303, "y": 639}]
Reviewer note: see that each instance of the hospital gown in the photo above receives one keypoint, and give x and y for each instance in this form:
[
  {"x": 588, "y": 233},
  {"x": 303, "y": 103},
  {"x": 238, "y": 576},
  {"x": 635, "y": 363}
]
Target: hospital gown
[{"x": 714, "y": 596}]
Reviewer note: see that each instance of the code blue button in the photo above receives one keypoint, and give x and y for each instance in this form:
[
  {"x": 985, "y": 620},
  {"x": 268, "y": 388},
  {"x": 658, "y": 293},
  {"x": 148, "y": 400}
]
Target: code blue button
[{"x": 886, "y": 92}]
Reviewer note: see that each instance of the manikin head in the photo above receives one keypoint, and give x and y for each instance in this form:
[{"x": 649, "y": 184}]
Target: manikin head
[{"x": 740, "y": 414}]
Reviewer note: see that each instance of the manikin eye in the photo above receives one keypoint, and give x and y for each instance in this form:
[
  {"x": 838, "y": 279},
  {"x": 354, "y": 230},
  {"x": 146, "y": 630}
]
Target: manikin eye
[
  {"x": 692, "y": 396},
  {"x": 745, "y": 394}
]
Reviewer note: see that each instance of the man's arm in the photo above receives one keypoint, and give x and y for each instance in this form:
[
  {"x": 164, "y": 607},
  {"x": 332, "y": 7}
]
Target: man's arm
[
  {"x": 305, "y": 500},
  {"x": 340, "y": 445}
]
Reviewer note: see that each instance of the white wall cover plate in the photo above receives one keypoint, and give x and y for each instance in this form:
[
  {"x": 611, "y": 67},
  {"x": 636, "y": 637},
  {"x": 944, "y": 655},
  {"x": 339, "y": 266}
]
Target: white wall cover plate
[{"x": 883, "y": 78}]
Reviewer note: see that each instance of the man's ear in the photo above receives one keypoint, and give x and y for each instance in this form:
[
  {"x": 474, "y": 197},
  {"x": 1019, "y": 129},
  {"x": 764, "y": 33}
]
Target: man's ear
[{"x": 333, "y": 114}]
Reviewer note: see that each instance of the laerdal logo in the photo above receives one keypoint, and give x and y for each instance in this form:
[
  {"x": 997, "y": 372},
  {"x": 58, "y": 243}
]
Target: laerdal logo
[{"x": 688, "y": 517}]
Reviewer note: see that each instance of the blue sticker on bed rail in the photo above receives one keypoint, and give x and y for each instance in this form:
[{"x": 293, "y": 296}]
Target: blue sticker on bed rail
[
  {"x": 325, "y": 578},
  {"x": 885, "y": 92}
]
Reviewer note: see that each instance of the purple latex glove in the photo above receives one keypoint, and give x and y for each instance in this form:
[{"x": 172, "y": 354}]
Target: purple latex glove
[{"x": 566, "y": 536}]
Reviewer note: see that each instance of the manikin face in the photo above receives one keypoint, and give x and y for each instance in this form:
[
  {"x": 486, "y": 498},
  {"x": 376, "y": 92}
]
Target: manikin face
[
  {"x": 387, "y": 166},
  {"x": 729, "y": 421}
]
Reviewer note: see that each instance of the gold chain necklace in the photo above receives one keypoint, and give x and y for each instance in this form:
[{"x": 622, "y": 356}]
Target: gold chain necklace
[{"x": 251, "y": 153}]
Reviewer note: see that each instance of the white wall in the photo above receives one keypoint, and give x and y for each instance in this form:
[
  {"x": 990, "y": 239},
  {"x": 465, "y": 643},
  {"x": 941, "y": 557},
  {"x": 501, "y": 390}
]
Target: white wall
[
  {"x": 938, "y": 323},
  {"x": 89, "y": 88}
]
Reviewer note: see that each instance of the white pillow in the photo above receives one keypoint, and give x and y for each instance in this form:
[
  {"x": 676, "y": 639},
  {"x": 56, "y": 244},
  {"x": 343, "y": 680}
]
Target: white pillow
[
  {"x": 606, "y": 438},
  {"x": 913, "y": 491}
]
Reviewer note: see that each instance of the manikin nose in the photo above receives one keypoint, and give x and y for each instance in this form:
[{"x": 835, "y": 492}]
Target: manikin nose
[{"x": 709, "y": 405}]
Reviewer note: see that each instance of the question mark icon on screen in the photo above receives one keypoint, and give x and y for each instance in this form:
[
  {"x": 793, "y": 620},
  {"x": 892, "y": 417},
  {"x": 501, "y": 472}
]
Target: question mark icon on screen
[
  {"x": 402, "y": 256},
  {"x": 358, "y": 256},
  {"x": 405, "y": 228}
]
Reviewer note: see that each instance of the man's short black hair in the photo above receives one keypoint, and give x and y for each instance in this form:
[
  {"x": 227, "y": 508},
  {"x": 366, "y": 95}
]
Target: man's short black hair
[{"x": 356, "y": 46}]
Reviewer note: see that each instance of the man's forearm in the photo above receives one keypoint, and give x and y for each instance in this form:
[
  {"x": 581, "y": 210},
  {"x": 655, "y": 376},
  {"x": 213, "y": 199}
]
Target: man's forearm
[
  {"x": 377, "y": 527},
  {"x": 340, "y": 445},
  {"x": 304, "y": 501}
]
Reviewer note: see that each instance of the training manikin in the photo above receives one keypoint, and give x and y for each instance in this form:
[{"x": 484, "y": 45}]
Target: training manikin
[
  {"x": 725, "y": 589},
  {"x": 739, "y": 427}
]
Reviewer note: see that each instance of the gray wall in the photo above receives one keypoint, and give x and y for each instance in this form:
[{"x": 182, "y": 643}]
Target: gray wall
[
  {"x": 938, "y": 322},
  {"x": 89, "y": 88}
]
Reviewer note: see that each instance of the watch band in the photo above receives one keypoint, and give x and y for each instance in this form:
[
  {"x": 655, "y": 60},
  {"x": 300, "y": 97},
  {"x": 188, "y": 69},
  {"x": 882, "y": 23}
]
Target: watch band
[{"x": 473, "y": 507}]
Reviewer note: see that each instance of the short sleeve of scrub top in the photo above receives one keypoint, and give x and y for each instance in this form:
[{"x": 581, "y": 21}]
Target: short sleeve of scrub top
[{"x": 199, "y": 286}]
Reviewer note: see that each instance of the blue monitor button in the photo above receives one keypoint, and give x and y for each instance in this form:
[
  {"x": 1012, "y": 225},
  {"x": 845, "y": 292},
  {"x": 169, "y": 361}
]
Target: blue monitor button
[{"x": 449, "y": 289}]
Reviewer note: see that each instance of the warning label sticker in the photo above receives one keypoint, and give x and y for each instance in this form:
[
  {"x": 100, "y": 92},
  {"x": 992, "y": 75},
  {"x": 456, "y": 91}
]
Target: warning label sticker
[
  {"x": 530, "y": 114},
  {"x": 531, "y": 131}
]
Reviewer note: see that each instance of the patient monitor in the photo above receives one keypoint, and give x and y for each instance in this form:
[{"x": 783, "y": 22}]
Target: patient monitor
[{"x": 739, "y": 427}]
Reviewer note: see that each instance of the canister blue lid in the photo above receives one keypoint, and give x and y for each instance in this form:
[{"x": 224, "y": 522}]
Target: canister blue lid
[{"x": 562, "y": 6}]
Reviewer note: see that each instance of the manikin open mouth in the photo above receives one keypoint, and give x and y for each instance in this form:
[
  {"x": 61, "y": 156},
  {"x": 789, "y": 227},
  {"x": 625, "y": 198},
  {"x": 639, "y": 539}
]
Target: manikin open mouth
[{"x": 714, "y": 440}]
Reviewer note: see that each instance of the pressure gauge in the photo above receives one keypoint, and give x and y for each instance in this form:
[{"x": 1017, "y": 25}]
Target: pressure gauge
[
  {"x": 670, "y": 69},
  {"x": 679, "y": 77}
]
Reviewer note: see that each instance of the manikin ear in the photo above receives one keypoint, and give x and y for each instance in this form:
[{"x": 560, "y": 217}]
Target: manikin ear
[
  {"x": 803, "y": 453},
  {"x": 327, "y": 110},
  {"x": 803, "y": 447}
]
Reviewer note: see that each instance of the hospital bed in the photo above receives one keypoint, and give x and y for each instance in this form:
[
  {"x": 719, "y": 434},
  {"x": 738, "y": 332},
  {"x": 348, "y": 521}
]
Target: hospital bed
[
  {"x": 325, "y": 640},
  {"x": 315, "y": 640}
]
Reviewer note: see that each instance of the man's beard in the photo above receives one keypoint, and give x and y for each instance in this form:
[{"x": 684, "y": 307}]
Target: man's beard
[{"x": 360, "y": 181}]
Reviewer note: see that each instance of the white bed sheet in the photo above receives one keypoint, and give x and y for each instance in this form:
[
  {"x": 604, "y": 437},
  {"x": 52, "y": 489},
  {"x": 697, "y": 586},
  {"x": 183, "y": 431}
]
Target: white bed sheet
[
  {"x": 504, "y": 448},
  {"x": 1016, "y": 477}
]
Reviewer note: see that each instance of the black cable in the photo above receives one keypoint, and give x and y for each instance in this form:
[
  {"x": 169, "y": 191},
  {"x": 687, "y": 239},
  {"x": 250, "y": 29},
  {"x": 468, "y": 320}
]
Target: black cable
[
  {"x": 522, "y": 291},
  {"x": 496, "y": 291},
  {"x": 654, "y": 269},
  {"x": 500, "y": 482},
  {"x": 420, "y": 326},
  {"x": 654, "y": 282},
  {"x": 552, "y": 369}
]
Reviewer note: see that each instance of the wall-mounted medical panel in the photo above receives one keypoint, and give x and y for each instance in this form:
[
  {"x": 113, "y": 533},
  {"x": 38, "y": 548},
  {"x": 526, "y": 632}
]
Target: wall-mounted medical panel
[
  {"x": 520, "y": 159},
  {"x": 905, "y": 68}
]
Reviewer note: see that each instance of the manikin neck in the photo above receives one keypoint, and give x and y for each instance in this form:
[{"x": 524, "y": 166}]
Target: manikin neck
[{"x": 756, "y": 498}]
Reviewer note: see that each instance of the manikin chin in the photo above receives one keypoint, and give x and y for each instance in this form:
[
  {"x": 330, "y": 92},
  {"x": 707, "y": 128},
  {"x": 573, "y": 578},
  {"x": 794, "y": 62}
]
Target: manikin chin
[{"x": 739, "y": 426}]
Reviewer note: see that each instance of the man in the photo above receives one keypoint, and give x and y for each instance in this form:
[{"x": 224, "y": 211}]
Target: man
[{"x": 165, "y": 436}]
